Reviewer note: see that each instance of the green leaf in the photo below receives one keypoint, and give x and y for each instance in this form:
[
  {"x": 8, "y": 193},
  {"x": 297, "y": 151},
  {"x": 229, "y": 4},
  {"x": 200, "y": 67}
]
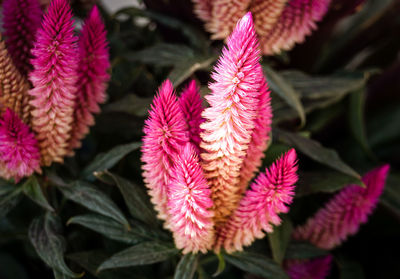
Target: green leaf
[
  {"x": 221, "y": 265},
  {"x": 105, "y": 161},
  {"x": 256, "y": 264},
  {"x": 130, "y": 104},
  {"x": 186, "y": 267},
  {"x": 299, "y": 250},
  {"x": 135, "y": 198},
  {"x": 33, "y": 190},
  {"x": 391, "y": 193},
  {"x": 9, "y": 197},
  {"x": 317, "y": 152},
  {"x": 279, "y": 239},
  {"x": 88, "y": 196},
  {"x": 281, "y": 87},
  {"x": 89, "y": 260},
  {"x": 141, "y": 254},
  {"x": 44, "y": 234},
  {"x": 107, "y": 227},
  {"x": 60, "y": 275}
]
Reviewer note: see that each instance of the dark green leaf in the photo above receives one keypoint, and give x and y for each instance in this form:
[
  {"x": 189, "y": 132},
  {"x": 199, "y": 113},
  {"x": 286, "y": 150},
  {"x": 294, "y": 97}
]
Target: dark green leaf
[
  {"x": 256, "y": 264},
  {"x": 391, "y": 193},
  {"x": 281, "y": 87},
  {"x": 141, "y": 254},
  {"x": 44, "y": 234},
  {"x": 105, "y": 161},
  {"x": 130, "y": 104},
  {"x": 316, "y": 151},
  {"x": 88, "y": 196},
  {"x": 33, "y": 190},
  {"x": 298, "y": 250},
  {"x": 60, "y": 275},
  {"x": 186, "y": 267},
  {"x": 9, "y": 197},
  {"x": 221, "y": 265},
  {"x": 107, "y": 227},
  {"x": 279, "y": 239},
  {"x": 136, "y": 199},
  {"x": 89, "y": 260}
]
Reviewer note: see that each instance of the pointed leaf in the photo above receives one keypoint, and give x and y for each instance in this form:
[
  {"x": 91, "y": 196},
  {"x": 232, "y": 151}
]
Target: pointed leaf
[
  {"x": 300, "y": 250},
  {"x": 105, "y": 161},
  {"x": 130, "y": 104},
  {"x": 221, "y": 265},
  {"x": 9, "y": 197},
  {"x": 141, "y": 254},
  {"x": 89, "y": 260},
  {"x": 256, "y": 264},
  {"x": 279, "y": 239},
  {"x": 33, "y": 190},
  {"x": 88, "y": 196},
  {"x": 44, "y": 234},
  {"x": 186, "y": 267}
]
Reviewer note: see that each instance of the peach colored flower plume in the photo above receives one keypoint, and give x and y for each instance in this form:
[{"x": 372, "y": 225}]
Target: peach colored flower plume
[
  {"x": 317, "y": 268},
  {"x": 344, "y": 213}
]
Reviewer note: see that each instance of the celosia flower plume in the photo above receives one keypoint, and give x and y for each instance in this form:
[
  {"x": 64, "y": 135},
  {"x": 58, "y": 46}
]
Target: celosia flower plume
[
  {"x": 279, "y": 23},
  {"x": 54, "y": 82},
  {"x": 269, "y": 195},
  {"x": 230, "y": 119},
  {"x": 344, "y": 213},
  {"x": 189, "y": 202},
  {"x": 165, "y": 134},
  {"x": 19, "y": 154},
  {"x": 92, "y": 76},
  {"x": 317, "y": 268},
  {"x": 21, "y": 20}
]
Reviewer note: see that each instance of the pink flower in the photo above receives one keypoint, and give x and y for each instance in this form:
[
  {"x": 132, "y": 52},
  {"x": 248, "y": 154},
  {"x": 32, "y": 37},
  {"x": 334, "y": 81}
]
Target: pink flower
[
  {"x": 92, "y": 75},
  {"x": 165, "y": 134},
  {"x": 191, "y": 105},
  {"x": 54, "y": 79},
  {"x": 258, "y": 210},
  {"x": 19, "y": 154},
  {"x": 309, "y": 269},
  {"x": 189, "y": 202},
  {"x": 230, "y": 119},
  {"x": 21, "y": 21},
  {"x": 344, "y": 213}
]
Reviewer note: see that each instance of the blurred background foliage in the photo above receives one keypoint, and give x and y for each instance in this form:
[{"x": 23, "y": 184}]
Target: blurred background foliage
[{"x": 336, "y": 99}]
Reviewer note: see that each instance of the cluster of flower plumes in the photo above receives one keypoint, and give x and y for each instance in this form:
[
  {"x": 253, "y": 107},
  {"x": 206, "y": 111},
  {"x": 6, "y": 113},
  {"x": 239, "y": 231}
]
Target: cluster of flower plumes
[
  {"x": 279, "y": 23},
  {"x": 198, "y": 162},
  {"x": 51, "y": 84}
]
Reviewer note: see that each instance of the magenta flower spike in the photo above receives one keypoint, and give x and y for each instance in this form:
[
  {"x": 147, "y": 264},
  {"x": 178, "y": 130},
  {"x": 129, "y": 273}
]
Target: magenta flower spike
[
  {"x": 165, "y": 134},
  {"x": 189, "y": 203},
  {"x": 259, "y": 139},
  {"x": 93, "y": 76},
  {"x": 21, "y": 19},
  {"x": 54, "y": 82},
  {"x": 344, "y": 213},
  {"x": 191, "y": 105},
  {"x": 269, "y": 196},
  {"x": 19, "y": 153},
  {"x": 317, "y": 268},
  {"x": 230, "y": 119}
]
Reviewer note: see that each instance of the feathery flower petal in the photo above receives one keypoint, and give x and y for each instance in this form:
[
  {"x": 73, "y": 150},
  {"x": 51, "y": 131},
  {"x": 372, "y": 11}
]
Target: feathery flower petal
[
  {"x": 230, "y": 118},
  {"x": 344, "y": 213},
  {"x": 13, "y": 86},
  {"x": 19, "y": 154},
  {"x": 54, "y": 79},
  {"x": 21, "y": 21},
  {"x": 258, "y": 210},
  {"x": 189, "y": 202},
  {"x": 202, "y": 8},
  {"x": 165, "y": 134},
  {"x": 309, "y": 269},
  {"x": 92, "y": 76},
  {"x": 259, "y": 139},
  {"x": 191, "y": 106}
]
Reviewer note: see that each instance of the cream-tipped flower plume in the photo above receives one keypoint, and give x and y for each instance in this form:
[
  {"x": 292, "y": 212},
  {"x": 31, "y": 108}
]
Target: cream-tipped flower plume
[
  {"x": 279, "y": 23},
  {"x": 344, "y": 213},
  {"x": 317, "y": 268},
  {"x": 19, "y": 154},
  {"x": 230, "y": 119}
]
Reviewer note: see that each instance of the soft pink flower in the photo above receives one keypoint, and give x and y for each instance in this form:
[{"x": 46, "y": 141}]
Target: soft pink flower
[
  {"x": 165, "y": 134},
  {"x": 317, "y": 268},
  {"x": 345, "y": 212},
  {"x": 54, "y": 79},
  {"x": 21, "y": 20},
  {"x": 19, "y": 154},
  {"x": 230, "y": 119},
  {"x": 270, "y": 195},
  {"x": 93, "y": 75},
  {"x": 191, "y": 106},
  {"x": 189, "y": 202}
]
